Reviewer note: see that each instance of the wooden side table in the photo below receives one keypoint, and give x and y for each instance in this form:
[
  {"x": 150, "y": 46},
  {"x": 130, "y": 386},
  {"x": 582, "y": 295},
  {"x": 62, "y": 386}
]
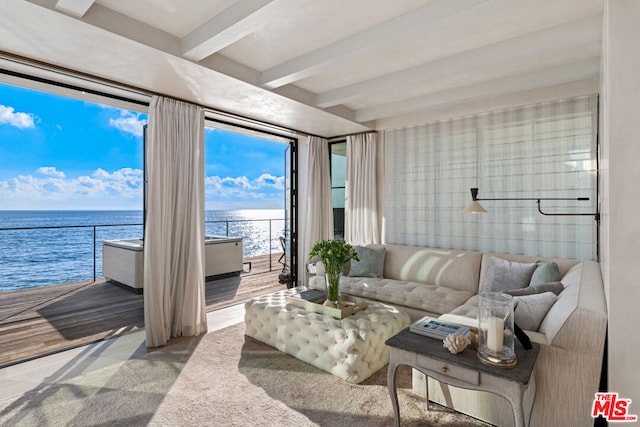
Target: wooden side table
[{"x": 463, "y": 370}]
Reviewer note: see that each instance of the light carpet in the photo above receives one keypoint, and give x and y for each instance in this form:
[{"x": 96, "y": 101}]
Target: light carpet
[{"x": 220, "y": 379}]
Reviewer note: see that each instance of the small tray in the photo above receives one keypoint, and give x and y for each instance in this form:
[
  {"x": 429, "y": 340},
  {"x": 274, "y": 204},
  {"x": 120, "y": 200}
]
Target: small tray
[{"x": 350, "y": 305}]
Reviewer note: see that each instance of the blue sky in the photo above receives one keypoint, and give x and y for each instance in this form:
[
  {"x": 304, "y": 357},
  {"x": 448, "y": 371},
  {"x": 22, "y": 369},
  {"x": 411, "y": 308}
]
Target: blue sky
[{"x": 63, "y": 153}]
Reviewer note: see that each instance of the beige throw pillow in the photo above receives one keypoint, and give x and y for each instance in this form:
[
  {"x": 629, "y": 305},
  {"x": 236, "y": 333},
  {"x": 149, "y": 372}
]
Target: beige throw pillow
[{"x": 530, "y": 310}]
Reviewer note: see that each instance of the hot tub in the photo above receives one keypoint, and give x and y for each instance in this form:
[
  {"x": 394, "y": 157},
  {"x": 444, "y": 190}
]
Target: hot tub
[
  {"x": 123, "y": 260},
  {"x": 222, "y": 255}
]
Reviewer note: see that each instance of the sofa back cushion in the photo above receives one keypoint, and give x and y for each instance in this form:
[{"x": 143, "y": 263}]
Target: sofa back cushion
[{"x": 441, "y": 267}]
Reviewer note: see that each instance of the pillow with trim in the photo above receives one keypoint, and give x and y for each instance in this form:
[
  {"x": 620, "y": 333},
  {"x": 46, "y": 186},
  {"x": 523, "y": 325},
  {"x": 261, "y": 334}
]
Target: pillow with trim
[
  {"x": 503, "y": 275},
  {"x": 371, "y": 262},
  {"x": 530, "y": 310}
]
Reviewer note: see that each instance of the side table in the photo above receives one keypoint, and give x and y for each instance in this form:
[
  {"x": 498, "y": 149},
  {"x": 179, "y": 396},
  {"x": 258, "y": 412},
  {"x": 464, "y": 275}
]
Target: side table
[{"x": 463, "y": 370}]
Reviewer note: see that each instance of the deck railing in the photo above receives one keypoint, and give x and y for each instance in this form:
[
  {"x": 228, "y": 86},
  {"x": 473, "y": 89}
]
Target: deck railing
[{"x": 224, "y": 225}]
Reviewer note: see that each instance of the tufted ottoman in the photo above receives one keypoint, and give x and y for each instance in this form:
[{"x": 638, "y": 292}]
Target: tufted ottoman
[{"x": 351, "y": 348}]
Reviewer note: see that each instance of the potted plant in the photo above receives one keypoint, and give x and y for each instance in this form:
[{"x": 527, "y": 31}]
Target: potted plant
[{"x": 335, "y": 256}]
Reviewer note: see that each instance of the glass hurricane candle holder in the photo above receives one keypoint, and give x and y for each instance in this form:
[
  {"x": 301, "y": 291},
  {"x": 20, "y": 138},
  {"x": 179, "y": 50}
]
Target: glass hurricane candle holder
[{"x": 495, "y": 330}]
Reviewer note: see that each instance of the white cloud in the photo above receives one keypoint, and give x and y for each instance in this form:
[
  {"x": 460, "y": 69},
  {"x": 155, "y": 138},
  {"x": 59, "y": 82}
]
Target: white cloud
[
  {"x": 268, "y": 180},
  {"x": 50, "y": 188},
  {"x": 240, "y": 192},
  {"x": 20, "y": 120},
  {"x": 243, "y": 183},
  {"x": 129, "y": 122},
  {"x": 51, "y": 171}
]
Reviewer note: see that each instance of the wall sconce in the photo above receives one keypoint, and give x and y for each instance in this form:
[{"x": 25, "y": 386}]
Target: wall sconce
[{"x": 475, "y": 208}]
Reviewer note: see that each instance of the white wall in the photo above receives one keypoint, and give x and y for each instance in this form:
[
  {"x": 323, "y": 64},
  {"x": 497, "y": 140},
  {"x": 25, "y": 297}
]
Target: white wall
[{"x": 620, "y": 254}]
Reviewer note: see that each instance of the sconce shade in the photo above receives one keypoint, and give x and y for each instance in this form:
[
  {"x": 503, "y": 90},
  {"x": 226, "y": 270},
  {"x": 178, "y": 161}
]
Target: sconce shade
[{"x": 474, "y": 208}]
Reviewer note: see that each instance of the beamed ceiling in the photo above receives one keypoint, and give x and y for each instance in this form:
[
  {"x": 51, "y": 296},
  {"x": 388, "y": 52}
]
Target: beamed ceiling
[{"x": 327, "y": 67}]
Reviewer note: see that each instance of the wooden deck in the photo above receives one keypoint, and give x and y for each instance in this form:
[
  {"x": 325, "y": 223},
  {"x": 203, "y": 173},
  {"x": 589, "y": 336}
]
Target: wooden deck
[{"x": 39, "y": 321}]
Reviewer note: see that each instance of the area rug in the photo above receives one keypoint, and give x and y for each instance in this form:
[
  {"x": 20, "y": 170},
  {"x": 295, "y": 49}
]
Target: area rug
[{"x": 220, "y": 379}]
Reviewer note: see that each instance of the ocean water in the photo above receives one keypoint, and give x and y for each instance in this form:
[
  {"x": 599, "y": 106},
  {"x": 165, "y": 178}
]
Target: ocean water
[{"x": 40, "y": 257}]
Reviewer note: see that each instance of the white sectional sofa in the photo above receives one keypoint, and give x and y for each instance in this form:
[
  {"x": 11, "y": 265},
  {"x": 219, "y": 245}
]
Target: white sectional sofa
[{"x": 445, "y": 283}]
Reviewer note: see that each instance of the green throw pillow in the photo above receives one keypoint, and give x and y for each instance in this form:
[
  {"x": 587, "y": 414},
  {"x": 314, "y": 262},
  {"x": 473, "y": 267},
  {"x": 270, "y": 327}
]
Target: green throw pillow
[
  {"x": 371, "y": 262},
  {"x": 545, "y": 272}
]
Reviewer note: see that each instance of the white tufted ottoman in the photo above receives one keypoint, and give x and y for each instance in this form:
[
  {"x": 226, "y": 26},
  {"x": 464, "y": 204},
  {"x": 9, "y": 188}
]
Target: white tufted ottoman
[{"x": 351, "y": 348}]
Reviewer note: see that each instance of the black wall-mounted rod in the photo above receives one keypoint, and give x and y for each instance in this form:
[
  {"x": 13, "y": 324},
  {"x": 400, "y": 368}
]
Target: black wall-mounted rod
[{"x": 596, "y": 215}]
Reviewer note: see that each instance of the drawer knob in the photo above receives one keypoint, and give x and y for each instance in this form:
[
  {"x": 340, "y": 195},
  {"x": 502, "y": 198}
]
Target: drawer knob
[{"x": 444, "y": 369}]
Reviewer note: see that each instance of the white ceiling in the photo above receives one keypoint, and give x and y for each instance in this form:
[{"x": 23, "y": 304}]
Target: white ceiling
[{"x": 326, "y": 67}]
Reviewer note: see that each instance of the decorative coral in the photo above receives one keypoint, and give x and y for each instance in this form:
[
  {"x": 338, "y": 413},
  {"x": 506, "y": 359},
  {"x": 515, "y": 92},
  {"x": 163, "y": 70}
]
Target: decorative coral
[{"x": 455, "y": 343}]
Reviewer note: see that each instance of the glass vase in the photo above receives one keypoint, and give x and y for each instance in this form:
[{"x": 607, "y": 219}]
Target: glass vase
[
  {"x": 495, "y": 330},
  {"x": 332, "y": 285}
]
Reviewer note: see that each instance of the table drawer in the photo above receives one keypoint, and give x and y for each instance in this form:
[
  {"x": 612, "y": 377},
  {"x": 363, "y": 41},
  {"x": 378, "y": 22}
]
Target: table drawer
[{"x": 447, "y": 369}]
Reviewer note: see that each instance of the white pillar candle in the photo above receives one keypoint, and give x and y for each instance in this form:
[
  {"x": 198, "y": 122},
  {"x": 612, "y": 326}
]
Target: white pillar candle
[{"x": 495, "y": 331}]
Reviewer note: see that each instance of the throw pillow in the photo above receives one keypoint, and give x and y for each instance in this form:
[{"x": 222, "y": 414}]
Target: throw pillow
[
  {"x": 555, "y": 287},
  {"x": 546, "y": 272},
  {"x": 371, "y": 262},
  {"x": 503, "y": 275},
  {"x": 531, "y": 309}
]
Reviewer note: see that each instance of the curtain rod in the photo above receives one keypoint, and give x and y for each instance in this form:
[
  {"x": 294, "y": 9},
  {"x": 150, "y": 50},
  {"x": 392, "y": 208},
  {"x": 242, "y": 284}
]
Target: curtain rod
[{"x": 117, "y": 85}]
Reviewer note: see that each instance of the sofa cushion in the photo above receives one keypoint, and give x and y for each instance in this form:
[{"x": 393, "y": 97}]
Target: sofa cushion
[
  {"x": 530, "y": 310},
  {"x": 441, "y": 267},
  {"x": 429, "y": 298},
  {"x": 503, "y": 275},
  {"x": 371, "y": 263},
  {"x": 555, "y": 287},
  {"x": 545, "y": 272}
]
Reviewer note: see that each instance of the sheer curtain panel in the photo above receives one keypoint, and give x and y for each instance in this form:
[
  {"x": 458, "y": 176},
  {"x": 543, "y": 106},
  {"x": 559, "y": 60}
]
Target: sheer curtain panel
[
  {"x": 319, "y": 214},
  {"x": 174, "y": 303},
  {"x": 361, "y": 204},
  {"x": 542, "y": 150}
]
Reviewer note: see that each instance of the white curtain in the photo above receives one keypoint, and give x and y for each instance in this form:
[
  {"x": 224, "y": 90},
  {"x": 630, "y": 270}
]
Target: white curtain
[
  {"x": 361, "y": 205},
  {"x": 318, "y": 221},
  {"x": 174, "y": 303},
  {"x": 543, "y": 150}
]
